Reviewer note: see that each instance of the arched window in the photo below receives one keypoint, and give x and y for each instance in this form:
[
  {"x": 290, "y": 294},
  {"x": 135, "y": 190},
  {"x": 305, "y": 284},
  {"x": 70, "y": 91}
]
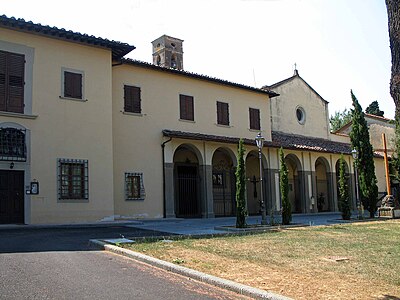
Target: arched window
[
  {"x": 12, "y": 144},
  {"x": 173, "y": 62}
]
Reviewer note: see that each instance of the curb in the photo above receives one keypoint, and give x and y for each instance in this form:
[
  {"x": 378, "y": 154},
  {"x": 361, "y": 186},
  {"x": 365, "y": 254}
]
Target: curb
[{"x": 199, "y": 276}]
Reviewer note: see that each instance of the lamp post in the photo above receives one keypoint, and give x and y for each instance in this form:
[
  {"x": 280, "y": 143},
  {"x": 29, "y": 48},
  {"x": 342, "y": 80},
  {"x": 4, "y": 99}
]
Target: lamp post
[
  {"x": 354, "y": 152},
  {"x": 260, "y": 144}
]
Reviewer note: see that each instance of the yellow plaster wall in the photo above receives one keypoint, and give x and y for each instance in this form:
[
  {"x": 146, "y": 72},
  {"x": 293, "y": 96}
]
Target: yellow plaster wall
[
  {"x": 67, "y": 128},
  {"x": 283, "y": 109},
  {"x": 137, "y": 138}
]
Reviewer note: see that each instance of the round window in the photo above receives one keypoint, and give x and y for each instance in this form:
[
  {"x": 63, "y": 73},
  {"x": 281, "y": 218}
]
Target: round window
[{"x": 301, "y": 115}]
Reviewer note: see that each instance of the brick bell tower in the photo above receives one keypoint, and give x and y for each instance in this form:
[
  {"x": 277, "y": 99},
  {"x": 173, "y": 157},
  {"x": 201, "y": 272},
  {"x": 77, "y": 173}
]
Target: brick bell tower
[{"x": 168, "y": 52}]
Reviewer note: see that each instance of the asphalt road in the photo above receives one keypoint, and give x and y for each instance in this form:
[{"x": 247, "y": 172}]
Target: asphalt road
[{"x": 59, "y": 264}]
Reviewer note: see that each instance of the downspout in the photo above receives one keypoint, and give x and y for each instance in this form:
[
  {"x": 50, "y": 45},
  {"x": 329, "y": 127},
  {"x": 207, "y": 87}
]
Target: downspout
[{"x": 163, "y": 168}]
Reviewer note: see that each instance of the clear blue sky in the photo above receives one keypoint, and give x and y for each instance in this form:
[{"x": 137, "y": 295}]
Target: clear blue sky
[{"x": 338, "y": 45}]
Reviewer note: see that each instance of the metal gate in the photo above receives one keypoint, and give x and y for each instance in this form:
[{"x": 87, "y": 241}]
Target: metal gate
[
  {"x": 224, "y": 190},
  {"x": 11, "y": 197},
  {"x": 187, "y": 204}
]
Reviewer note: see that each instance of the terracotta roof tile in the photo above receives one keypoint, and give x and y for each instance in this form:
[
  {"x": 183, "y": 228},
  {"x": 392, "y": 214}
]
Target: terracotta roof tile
[{"x": 118, "y": 49}]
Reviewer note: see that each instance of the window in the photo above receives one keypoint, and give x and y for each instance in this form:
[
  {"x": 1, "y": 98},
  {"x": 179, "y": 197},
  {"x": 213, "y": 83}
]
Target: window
[
  {"x": 12, "y": 69},
  {"x": 301, "y": 115},
  {"x": 12, "y": 144},
  {"x": 73, "y": 179},
  {"x": 73, "y": 85},
  {"x": 254, "y": 115},
  {"x": 132, "y": 101},
  {"x": 222, "y": 113},
  {"x": 134, "y": 188},
  {"x": 186, "y": 107}
]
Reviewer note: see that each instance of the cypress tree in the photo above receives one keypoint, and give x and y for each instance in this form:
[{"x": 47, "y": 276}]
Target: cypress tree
[
  {"x": 359, "y": 136},
  {"x": 344, "y": 199},
  {"x": 284, "y": 187},
  {"x": 241, "y": 211}
]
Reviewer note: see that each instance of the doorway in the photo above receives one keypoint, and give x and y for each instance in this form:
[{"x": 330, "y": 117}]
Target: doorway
[{"x": 11, "y": 197}]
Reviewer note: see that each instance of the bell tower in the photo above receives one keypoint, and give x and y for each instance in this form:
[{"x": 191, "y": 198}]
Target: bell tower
[{"x": 168, "y": 52}]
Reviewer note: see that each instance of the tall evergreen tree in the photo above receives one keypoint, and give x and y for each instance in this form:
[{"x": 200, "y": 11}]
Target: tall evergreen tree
[
  {"x": 393, "y": 11},
  {"x": 344, "y": 199},
  {"x": 359, "y": 136},
  {"x": 241, "y": 211},
  {"x": 284, "y": 187},
  {"x": 373, "y": 109}
]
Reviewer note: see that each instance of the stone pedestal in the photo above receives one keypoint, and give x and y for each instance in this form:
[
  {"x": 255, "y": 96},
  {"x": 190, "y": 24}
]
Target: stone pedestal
[{"x": 390, "y": 208}]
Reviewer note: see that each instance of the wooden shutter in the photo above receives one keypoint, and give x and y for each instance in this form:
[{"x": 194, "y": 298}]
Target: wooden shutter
[
  {"x": 137, "y": 107},
  {"x": 16, "y": 68},
  {"x": 3, "y": 67},
  {"x": 186, "y": 107},
  {"x": 12, "y": 69},
  {"x": 72, "y": 85},
  {"x": 254, "y": 115},
  {"x": 132, "y": 99},
  {"x": 222, "y": 113}
]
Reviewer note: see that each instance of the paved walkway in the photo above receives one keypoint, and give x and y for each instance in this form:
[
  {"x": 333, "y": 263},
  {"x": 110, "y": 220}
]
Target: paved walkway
[{"x": 208, "y": 226}]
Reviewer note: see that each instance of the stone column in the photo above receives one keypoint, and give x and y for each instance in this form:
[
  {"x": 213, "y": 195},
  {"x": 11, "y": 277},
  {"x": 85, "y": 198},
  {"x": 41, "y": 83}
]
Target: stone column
[
  {"x": 332, "y": 184},
  {"x": 169, "y": 190},
  {"x": 207, "y": 200}
]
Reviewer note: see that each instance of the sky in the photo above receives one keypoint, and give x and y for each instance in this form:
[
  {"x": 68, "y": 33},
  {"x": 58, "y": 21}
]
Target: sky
[{"x": 337, "y": 45}]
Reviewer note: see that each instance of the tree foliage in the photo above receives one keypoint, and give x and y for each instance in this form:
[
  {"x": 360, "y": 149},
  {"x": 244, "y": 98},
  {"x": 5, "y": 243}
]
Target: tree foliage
[
  {"x": 284, "y": 187},
  {"x": 344, "y": 199},
  {"x": 339, "y": 119},
  {"x": 393, "y": 10},
  {"x": 241, "y": 211},
  {"x": 373, "y": 109},
  {"x": 360, "y": 140}
]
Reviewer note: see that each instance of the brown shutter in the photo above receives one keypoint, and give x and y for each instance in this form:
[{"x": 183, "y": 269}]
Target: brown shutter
[
  {"x": 72, "y": 85},
  {"x": 182, "y": 107},
  {"x": 132, "y": 100},
  {"x": 222, "y": 113},
  {"x": 16, "y": 68},
  {"x": 189, "y": 108},
  {"x": 3, "y": 64},
  {"x": 128, "y": 99},
  {"x": 254, "y": 115},
  {"x": 137, "y": 108},
  {"x": 186, "y": 107},
  {"x": 219, "y": 112}
]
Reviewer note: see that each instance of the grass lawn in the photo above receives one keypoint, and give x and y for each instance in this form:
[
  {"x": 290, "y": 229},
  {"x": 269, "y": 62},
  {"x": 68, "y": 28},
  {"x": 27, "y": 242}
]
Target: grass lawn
[{"x": 299, "y": 262}]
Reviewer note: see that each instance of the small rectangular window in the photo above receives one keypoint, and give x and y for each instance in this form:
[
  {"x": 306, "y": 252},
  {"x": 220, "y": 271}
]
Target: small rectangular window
[
  {"x": 73, "y": 85},
  {"x": 134, "y": 187},
  {"x": 222, "y": 113},
  {"x": 73, "y": 179},
  {"x": 186, "y": 107},
  {"x": 132, "y": 99},
  {"x": 254, "y": 115}
]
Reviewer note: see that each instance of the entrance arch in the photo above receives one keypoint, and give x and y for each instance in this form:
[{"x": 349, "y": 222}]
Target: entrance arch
[
  {"x": 253, "y": 186},
  {"x": 323, "y": 187},
  {"x": 224, "y": 185},
  {"x": 186, "y": 181},
  {"x": 294, "y": 169}
]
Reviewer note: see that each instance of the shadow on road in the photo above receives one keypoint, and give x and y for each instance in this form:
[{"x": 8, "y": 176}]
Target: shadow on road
[{"x": 64, "y": 239}]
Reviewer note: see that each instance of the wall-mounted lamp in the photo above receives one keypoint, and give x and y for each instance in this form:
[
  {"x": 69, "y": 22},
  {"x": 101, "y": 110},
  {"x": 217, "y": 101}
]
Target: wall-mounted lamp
[{"x": 12, "y": 165}]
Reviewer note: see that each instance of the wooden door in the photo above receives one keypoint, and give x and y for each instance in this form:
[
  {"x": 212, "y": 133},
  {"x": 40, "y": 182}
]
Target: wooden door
[{"x": 11, "y": 197}]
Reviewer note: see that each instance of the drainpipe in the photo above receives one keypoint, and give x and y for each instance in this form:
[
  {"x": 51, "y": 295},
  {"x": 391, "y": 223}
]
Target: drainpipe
[{"x": 163, "y": 168}]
